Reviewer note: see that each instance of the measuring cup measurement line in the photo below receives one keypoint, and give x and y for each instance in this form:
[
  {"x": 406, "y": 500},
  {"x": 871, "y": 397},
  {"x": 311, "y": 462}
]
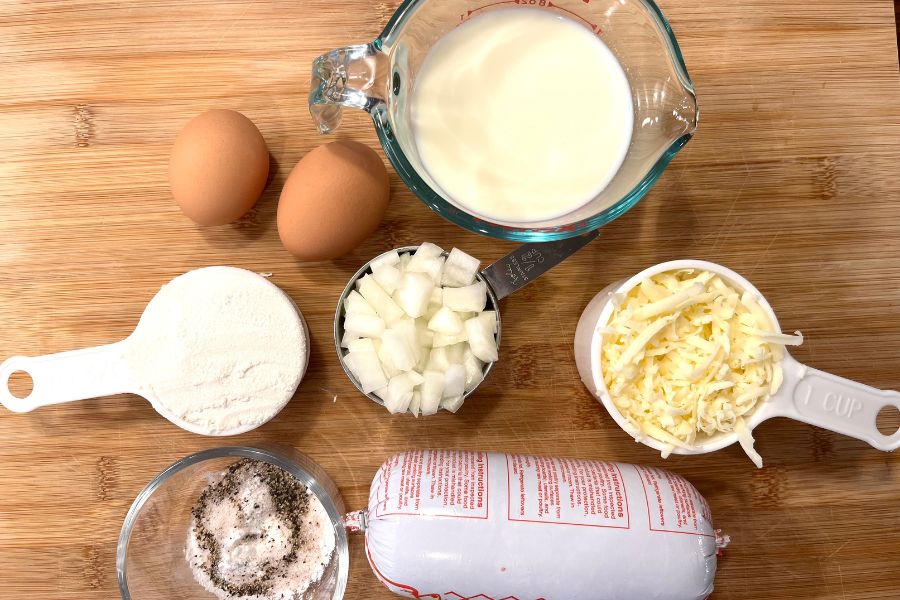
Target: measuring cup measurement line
[
  {"x": 806, "y": 394},
  {"x": 509, "y": 274},
  {"x": 470, "y": 12}
]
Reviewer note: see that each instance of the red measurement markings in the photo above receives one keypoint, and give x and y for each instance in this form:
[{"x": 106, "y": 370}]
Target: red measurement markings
[
  {"x": 595, "y": 28},
  {"x": 475, "y": 10},
  {"x": 547, "y": 3}
]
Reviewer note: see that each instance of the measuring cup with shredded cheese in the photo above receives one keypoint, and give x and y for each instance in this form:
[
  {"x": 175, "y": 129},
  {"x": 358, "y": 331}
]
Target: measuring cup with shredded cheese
[{"x": 688, "y": 357}]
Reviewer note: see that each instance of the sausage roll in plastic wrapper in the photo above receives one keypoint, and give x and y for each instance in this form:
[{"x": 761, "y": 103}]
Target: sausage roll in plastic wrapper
[{"x": 451, "y": 524}]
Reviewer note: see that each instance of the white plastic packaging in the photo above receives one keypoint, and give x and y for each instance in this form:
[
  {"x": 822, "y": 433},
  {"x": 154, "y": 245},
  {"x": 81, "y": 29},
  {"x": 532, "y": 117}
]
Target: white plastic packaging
[{"x": 451, "y": 524}]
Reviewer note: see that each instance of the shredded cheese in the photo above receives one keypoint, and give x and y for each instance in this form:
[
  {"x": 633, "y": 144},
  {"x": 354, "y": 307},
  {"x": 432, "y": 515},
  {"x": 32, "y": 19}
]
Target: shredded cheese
[{"x": 686, "y": 356}]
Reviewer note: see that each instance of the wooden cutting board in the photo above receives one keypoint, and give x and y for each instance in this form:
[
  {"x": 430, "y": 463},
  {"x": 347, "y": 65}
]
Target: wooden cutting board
[{"x": 792, "y": 180}]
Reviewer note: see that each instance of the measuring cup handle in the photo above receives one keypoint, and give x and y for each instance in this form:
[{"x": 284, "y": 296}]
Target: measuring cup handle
[
  {"x": 529, "y": 261},
  {"x": 837, "y": 404},
  {"x": 67, "y": 376},
  {"x": 347, "y": 76}
]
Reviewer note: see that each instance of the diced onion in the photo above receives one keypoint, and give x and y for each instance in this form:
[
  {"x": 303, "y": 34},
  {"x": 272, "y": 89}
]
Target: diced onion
[{"x": 417, "y": 332}]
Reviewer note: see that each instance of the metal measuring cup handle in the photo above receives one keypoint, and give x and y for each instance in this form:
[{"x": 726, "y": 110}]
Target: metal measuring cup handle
[{"x": 529, "y": 261}]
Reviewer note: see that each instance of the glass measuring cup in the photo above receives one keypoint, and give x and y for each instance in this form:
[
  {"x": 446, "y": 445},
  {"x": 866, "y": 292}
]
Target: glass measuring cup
[
  {"x": 380, "y": 76},
  {"x": 806, "y": 394}
]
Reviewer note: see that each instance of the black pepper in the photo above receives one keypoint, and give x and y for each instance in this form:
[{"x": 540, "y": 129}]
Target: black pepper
[{"x": 291, "y": 502}]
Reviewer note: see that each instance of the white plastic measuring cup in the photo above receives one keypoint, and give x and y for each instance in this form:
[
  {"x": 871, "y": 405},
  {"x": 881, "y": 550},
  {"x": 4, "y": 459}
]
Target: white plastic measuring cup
[
  {"x": 105, "y": 370},
  {"x": 807, "y": 394}
]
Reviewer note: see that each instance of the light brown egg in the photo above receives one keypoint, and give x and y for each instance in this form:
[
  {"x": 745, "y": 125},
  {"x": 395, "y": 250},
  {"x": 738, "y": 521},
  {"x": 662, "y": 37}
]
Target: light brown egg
[
  {"x": 333, "y": 200},
  {"x": 219, "y": 167}
]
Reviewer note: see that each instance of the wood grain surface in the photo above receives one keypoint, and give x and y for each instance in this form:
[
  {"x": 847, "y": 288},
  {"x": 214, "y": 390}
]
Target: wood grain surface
[{"x": 792, "y": 180}]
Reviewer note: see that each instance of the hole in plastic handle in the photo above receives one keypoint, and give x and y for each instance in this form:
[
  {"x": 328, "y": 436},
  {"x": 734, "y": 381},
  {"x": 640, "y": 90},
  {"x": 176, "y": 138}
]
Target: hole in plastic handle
[
  {"x": 20, "y": 384},
  {"x": 888, "y": 420}
]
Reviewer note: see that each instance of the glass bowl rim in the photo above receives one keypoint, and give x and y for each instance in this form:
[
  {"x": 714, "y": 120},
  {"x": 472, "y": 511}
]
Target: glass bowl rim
[
  {"x": 459, "y": 217},
  {"x": 273, "y": 455}
]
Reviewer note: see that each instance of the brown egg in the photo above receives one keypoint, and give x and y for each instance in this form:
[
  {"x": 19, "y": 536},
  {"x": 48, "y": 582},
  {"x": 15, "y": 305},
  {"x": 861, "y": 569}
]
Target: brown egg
[
  {"x": 219, "y": 167},
  {"x": 333, "y": 200}
]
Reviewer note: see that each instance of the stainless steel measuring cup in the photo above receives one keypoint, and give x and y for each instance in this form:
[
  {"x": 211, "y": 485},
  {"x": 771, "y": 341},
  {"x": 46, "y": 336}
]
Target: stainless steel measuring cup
[
  {"x": 509, "y": 274},
  {"x": 806, "y": 394},
  {"x": 105, "y": 370}
]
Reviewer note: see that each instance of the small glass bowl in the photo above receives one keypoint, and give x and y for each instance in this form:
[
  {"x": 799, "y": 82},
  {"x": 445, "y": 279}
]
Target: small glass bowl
[{"x": 150, "y": 559}]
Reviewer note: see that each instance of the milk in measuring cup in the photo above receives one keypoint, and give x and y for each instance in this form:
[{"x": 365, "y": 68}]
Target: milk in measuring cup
[{"x": 521, "y": 115}]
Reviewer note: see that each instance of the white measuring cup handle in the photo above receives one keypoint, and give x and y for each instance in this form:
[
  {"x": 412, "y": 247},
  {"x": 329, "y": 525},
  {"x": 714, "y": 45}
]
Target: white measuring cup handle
[
  {"x": 67, "y": 376},
  {"x": 836, "y": 404}
]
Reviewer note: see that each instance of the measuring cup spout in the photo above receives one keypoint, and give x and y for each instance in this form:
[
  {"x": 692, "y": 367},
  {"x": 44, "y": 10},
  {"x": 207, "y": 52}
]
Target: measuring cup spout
[
  {"x": 344, "y": 77},
  {"x": 836, "y": 404},
  {"x": 676, "y": 126},
  {"x": 685, "y": 116}
]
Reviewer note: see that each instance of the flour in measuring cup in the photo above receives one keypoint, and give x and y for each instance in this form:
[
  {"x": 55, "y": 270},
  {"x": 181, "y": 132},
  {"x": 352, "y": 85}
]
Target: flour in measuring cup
[{"x": 220, "y": 349}]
